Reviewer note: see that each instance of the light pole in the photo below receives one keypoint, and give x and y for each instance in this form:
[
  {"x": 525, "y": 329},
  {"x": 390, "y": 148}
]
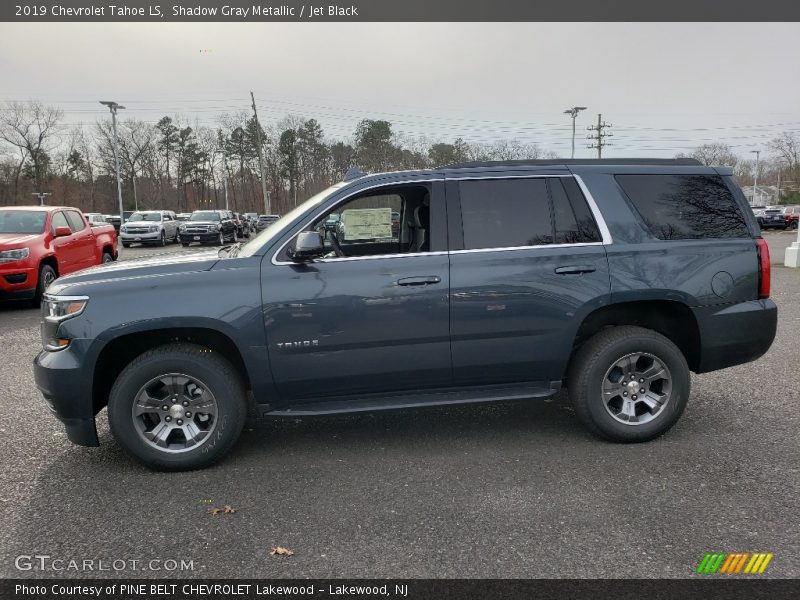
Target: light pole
[
  {"x": 755, "y": 179},
  {"x": 113, "y": 107},
  {"x": 573, "y": 112},
  {"x": 41, "y": 196}
]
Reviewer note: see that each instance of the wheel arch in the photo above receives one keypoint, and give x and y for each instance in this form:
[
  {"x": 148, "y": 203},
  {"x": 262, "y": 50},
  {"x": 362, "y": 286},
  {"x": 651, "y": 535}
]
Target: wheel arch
[
  {"x": 119, "y": 351},
  {"x": 671, "y": 318}
]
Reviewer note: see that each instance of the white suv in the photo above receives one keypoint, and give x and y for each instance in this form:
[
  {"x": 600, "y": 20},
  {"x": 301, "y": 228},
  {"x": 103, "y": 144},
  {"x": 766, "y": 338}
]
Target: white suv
[{"x": 149, "y": 227}]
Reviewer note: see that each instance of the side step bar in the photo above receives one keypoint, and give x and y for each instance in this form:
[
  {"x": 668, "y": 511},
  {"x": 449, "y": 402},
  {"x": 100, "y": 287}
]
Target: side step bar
[{"x": 415, "y": 399}]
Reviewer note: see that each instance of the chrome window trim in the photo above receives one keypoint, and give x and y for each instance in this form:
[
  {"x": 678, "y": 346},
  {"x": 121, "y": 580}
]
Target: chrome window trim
[
  {"x": 605, "y": 234},
  {"x": 598, "y": 217}
]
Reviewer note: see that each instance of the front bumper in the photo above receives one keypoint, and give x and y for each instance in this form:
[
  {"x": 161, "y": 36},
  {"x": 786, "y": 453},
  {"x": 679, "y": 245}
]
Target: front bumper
[
  {"x": 17, "y": 281},
  {"x": 736, "y": 333},
  {"x": 62, "y": 380},
  {"x": 187, "y": 238},
  {"x": 135, "y": 238}
]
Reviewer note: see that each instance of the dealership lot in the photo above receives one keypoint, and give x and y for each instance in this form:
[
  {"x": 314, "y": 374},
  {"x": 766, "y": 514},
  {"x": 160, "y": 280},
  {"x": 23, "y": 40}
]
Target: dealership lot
[{"x": 512, "y": 490}]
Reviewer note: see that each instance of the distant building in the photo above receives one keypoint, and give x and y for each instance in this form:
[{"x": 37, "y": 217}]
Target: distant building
[{"x": 765, "y": 195}]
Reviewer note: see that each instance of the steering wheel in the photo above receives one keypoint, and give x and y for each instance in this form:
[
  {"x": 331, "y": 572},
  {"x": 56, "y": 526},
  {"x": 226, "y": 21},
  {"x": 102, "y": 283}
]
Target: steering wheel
[{"x": 337, "y": 247}]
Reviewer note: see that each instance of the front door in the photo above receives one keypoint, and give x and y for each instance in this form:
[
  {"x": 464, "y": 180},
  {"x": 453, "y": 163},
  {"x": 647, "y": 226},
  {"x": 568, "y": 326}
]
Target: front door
[{"x": 373, "y": 315}]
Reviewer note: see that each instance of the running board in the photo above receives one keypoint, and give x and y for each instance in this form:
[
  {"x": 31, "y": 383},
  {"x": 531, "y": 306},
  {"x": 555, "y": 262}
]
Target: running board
[{"x": 416, "y": 399}]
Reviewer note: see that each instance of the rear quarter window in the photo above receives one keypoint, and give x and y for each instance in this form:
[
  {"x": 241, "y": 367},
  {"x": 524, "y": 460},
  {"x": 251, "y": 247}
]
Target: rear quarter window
[{"x": 685, "y": 207}]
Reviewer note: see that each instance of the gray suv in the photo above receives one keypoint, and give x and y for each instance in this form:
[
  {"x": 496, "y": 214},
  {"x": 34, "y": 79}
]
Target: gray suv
[
  {"x": 497, "y": 281},
  {"x": 149, "y": 227}
]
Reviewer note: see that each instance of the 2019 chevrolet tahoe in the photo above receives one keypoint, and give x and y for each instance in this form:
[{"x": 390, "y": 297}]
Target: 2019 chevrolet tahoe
[{"x": 501, "y": 281}]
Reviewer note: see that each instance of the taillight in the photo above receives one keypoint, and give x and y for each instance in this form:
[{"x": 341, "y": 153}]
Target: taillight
[{"x": 763, "y": 268}]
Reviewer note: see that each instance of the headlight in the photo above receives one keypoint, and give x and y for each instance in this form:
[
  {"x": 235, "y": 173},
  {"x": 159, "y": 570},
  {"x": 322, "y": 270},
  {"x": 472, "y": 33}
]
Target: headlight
[
  {"x": 12, "y": 255},
  {"x": 59, "y": 308},
  {"x": 152, "y": 228},
  {"x": 213, "y": 227},
  {"x": 181, "y": 227},
  {"x": 123, "y": 229}
]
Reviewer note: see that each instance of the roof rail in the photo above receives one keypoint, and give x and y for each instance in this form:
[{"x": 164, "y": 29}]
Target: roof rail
[{"x": 678, "y": 162}]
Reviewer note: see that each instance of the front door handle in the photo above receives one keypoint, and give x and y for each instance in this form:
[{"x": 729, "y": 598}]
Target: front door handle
[
  {"x": 575, "y": 270},
  {"x": 430, "y": 280}
]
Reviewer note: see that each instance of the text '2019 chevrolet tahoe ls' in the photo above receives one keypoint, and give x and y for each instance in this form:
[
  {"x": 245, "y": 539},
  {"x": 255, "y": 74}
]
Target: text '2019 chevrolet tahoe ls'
[{"x": 502, "y": 281}]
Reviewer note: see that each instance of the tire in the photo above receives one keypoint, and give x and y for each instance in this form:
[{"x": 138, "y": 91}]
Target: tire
[
  {"x": 185, "y": 244},
  {"x": 209, "y": 372},
  {"x": 126, "y": 244},
  {"x": 163, "y": 239},
  {"x": 221, "y": 239},
  {"x": 47, "y": 275},
  {"x": 793, "y": 225},
  {"x": 593, "y": 374},
  {"x": 107, "y": 258}
]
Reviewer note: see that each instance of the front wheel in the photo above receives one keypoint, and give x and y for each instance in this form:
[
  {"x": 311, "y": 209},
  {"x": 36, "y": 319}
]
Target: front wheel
[
  {"x": 47, "y": 275},
  {"x": 107, "y": 258},
  {"x": 177, "y": 407},
  {"x": 793, "y": 225},
  {"x": 628, "y": 384},
  {"x": 221, "y": 239},
  {"x": 162, "y": 241}
]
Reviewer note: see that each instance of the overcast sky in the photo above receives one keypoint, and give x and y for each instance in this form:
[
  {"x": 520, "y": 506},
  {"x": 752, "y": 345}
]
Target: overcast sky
[{"x": 664, "y": 87}]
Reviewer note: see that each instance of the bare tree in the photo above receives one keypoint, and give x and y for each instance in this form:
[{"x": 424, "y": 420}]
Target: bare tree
[{"x": 31, "y": 128}]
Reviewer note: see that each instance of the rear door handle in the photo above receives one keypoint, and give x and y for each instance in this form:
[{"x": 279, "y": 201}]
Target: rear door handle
[
  {"x": 575, "y": 270},
  {"x": 419, "y": 280}
]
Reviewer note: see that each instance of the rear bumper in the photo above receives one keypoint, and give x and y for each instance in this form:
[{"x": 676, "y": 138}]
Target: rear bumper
[
  {"x": 735, "y": 334},
  {"x": 61, "y": 379}
]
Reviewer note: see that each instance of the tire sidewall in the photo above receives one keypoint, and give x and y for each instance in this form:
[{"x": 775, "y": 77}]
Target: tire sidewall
[
  {"x": 667, "y": 354},
  {"x": 231, "y": 410}
]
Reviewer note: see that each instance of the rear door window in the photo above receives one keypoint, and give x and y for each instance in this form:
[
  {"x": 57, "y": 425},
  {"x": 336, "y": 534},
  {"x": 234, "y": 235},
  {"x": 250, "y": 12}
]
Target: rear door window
[
  {"x": 574, "y": 223},
  {"x": 505, "y": 213},
  {"x": 681, "y": 207}
]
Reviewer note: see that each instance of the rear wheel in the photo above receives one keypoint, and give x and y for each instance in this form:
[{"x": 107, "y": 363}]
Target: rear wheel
[
  {"x": 177, "y": 407},
  {"x": 628, "y": 384}
]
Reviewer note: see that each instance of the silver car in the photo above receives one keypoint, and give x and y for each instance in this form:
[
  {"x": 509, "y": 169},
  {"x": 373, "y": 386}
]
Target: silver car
[{"x": 149, "y": 227}]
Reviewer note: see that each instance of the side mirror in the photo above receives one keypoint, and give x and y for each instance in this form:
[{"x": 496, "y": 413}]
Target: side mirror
[
  {"x": 63, "y": 231},
  {"x": 307, "y": 247}
]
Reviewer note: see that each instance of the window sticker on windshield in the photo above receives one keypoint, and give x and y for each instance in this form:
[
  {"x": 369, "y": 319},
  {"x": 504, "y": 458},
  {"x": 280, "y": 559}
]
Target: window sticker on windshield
[{"x": 367, "y": 223}]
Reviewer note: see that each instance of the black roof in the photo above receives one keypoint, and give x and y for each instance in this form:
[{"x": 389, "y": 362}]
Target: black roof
[{"x": 677, "y": 162}]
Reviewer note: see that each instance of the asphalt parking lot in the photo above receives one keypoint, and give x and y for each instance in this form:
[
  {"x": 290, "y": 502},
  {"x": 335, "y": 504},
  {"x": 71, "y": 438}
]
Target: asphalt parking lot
[{"x": 512, "y": 490}]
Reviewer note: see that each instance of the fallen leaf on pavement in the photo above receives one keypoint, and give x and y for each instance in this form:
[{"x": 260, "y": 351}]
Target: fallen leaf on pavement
[
  {"x": 281, "y": 551},
  {"x": 227, "y": 509}
]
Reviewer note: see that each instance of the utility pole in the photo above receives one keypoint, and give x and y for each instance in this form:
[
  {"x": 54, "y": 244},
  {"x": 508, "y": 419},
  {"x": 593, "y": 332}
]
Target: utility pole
[
  {"x": 41, "y": 196},
  {"x": 573, "y": 112},
  {"x": 113, "y": 107},
  {"x": 599, "y": 135},
  {"x": 264, "y": 192},
  {"x": 755, "y": 178},
  {"x": 225, "y": 178}
]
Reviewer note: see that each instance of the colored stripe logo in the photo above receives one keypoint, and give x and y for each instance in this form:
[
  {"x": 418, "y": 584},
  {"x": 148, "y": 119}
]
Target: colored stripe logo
[{"x": 734, "y": 563}]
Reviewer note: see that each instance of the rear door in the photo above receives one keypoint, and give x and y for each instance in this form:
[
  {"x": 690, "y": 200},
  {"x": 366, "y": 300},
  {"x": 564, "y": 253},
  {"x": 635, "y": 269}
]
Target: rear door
[{"x": 527, "y": 262}]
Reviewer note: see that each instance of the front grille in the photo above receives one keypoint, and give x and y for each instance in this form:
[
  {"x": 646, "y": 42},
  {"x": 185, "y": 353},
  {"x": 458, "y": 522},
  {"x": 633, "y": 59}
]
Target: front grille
[
  {"x": 138, "y": 230},
  {"x": 196, "y": 229}
]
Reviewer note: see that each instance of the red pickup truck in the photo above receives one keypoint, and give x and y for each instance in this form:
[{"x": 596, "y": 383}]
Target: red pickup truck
[{"x": 40, "y": 243}]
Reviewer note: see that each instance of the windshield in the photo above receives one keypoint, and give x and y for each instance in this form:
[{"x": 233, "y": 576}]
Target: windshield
[
  {"x": 22, "y": 221},
  {"x": 145, "y": 216},
  {"x": 285, "y": 222},
  {"x": 204, "y": 215}
]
